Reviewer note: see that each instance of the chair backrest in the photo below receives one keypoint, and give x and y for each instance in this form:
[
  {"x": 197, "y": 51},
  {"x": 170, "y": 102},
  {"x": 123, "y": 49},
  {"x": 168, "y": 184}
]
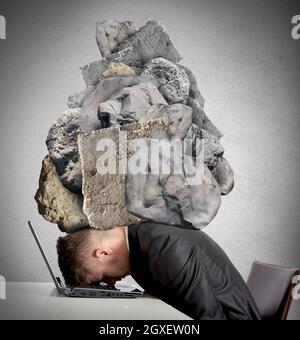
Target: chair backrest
[{"x": 271, "y": 287}]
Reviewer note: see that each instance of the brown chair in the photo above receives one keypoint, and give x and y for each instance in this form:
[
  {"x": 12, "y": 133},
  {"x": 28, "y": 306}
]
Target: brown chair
[{"x": 271, "y": 287}]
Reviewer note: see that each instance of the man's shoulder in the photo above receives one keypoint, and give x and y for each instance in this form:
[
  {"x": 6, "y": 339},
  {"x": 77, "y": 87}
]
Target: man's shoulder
[
  {"x": 155, "y": 229},
  {"x": 161, "y": 246},
  {"x": 162, "y": 240}
]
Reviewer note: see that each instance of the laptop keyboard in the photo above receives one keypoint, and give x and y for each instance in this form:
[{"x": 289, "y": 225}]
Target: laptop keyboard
[{"x": 95, "y": 286}]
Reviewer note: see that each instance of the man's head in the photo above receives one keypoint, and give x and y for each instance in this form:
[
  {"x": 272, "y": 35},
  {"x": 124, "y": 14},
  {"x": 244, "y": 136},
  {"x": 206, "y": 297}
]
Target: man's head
[{"x": 89, "y": 256}]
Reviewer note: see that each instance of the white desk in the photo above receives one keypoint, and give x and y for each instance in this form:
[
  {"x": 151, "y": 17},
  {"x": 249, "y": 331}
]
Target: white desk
[{"x": 40, "y": 301}]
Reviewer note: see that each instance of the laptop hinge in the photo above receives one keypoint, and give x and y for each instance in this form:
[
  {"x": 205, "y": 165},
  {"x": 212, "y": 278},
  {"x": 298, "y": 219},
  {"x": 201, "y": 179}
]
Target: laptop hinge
[{"x": 60, "y": 282}]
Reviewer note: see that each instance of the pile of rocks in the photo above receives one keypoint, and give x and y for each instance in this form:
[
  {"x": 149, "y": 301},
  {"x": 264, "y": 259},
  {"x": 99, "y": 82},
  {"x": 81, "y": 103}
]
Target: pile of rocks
[{"x": 138, "y": 87}]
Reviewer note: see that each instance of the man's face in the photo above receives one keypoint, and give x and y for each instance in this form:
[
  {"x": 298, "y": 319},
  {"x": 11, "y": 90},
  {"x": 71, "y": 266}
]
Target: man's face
[{"x": 105, "y": 267}]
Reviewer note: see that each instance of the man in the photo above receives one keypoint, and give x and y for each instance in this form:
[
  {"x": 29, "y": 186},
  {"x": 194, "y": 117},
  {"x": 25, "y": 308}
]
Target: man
[{"x": 184, "y": 268}]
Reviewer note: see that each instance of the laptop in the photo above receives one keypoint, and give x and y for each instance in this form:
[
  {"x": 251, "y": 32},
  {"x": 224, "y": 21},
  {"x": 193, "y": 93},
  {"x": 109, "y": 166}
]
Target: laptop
[{"x": 87, "y": 291}]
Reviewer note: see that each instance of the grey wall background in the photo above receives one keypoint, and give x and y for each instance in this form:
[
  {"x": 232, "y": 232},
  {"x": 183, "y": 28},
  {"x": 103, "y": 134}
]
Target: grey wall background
[{"x": 247, "y": 66}]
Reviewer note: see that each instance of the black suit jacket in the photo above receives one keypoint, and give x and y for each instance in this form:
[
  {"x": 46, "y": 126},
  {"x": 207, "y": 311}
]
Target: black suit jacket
[{"x": 188, "y": 270}]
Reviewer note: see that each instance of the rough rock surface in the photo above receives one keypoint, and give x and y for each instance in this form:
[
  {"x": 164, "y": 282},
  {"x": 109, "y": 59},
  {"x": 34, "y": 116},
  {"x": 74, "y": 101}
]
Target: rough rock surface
[
  {"x": 92, "y": 71},
  {"x": 170, "y": 198},
  {"x": 113, "y": 69},
  {"x": 213, "y": 149},
  {"x": 110, "y": 33},
  {"x": 104, "y": 194},
  {"x": 194, "y": 91},
  {"x": 62, "y": 146},
  {"x": 197, "y": 204},
  {"x": 56, "y": 203},
  {"x": 178, "y": 116},
  {"x": 224, "y": 175},
  {"x": 133, "y": 52},
  {"x": 129, "y": 105},
  {"x": 88, "y": 119},
  {"x": 173, "y": 81},
  {"x": 150, "y": 42},
  {"x": 150, "y": 196},
  {"x": 201, "y": 119},
  {"x": 118, "y": 69}
]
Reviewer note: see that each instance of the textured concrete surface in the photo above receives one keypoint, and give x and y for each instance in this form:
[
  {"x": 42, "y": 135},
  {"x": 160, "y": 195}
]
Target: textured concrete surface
[{"x": 248, "y": 68}]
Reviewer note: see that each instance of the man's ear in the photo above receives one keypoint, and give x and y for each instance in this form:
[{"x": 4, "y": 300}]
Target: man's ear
[{"x": 102, "y": 253}]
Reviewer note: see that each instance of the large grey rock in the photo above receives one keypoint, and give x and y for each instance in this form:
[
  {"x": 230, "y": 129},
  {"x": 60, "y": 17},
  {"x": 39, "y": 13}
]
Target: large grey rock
[
  {"x": 129, "y": 105},
  {"x": 56, "y": 203},
  {"x": 62, "y": 146},
  {"x": 224, "y": 175},
  {"x": 201, "y": 119},
  {"x": 92, "y": 72},
  {"x": 150, "y": 42},
  {"x": 173, "y": 201},
  {"x": 110, "y": 33},
  {"x": 173, "y": 81}
]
